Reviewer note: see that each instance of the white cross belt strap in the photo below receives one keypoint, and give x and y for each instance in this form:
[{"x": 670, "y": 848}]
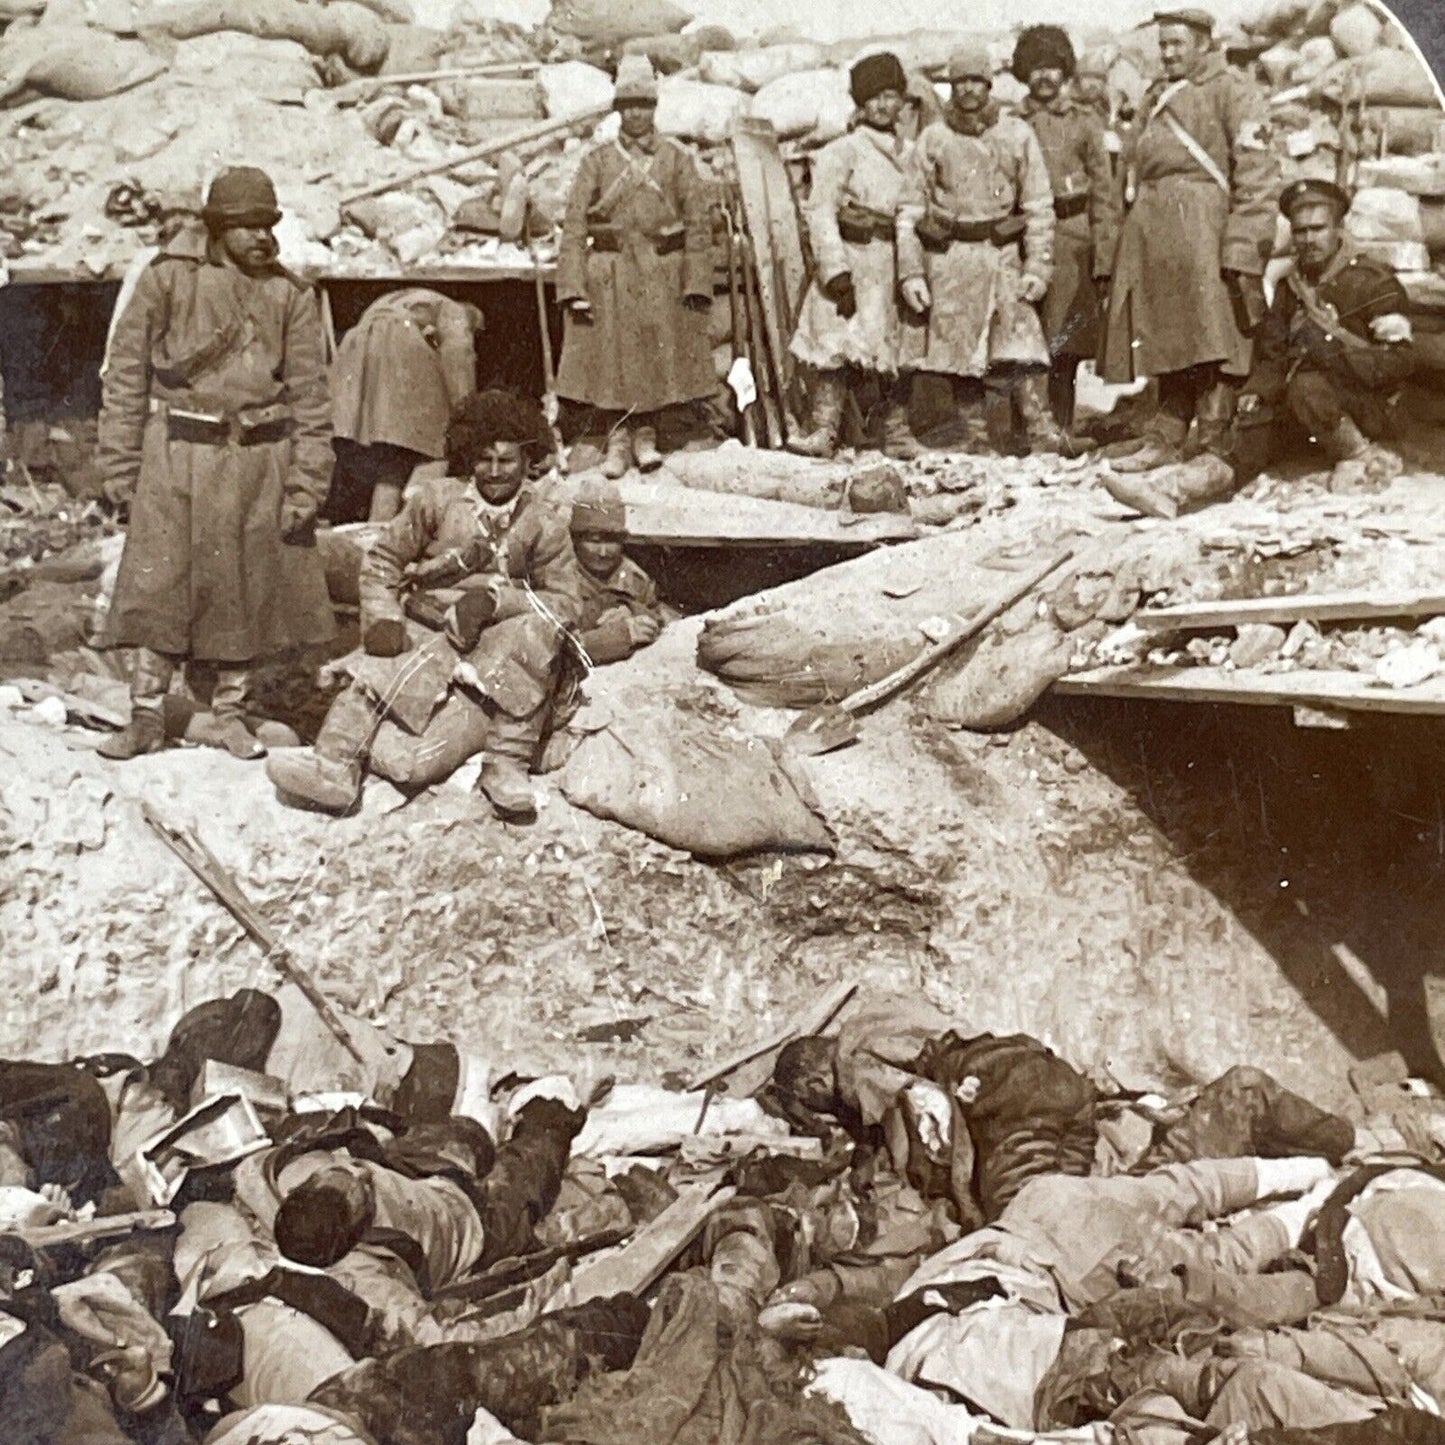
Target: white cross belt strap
[{"x": 1202, "y": 156}]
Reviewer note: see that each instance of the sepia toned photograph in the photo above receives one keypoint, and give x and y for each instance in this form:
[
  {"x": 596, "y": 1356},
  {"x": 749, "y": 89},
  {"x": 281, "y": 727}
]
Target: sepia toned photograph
[{"x": 722, "y": 722}]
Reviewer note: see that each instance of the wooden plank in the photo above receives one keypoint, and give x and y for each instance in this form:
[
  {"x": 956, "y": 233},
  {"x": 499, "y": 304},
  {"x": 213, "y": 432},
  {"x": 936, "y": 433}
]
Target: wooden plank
[
  {"x": 1359, "y": 606},
  {"x": 668, "y": 514},
  {"x": 772, "y": 220},
  {"x": 641, "y": 1262},
  {"x": 811, "y": 1020},
  {"x": 89, "y": 1231},
  {"x": 1347, "y": 691}
]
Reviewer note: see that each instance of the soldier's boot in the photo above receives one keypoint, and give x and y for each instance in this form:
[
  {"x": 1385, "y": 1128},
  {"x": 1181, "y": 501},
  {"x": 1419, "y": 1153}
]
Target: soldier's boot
[
  {"x": 505, "y": 779},
  {"x": 226, "y": 726},
  {"x": 1169, "y": 491},
  {"x": 1163, "y": 447},
  {"x": 1044, "y": 433},
  {"x": 644, "y": 448},
  {"x": 144, "y": 733},
  {"x": 619, "y": 453},
  {"x": 150, "y": 680},
  {"x": 1063, "y": 390},
  {"x": 1360, "y": 464},
  {"x": 830, "y": 392},
  {"x": 898, "y": 439},
  {"x": 328, "y": 776}
]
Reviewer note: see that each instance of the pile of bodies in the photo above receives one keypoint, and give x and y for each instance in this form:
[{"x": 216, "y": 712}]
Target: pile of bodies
[{"x": 914, "y": 1233}]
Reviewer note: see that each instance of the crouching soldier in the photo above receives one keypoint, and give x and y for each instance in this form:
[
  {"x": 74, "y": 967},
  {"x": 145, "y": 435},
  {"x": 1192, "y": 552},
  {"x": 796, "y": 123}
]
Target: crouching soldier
[
  {"x": 215, "y": 428},
  {"x": 850, "y": 320},
  {"x": 975, "y": 249},
  {"x": 1329, "y": 361},
  {"x": 483, "y": 568},
  {"x": 620, "y": 611}
]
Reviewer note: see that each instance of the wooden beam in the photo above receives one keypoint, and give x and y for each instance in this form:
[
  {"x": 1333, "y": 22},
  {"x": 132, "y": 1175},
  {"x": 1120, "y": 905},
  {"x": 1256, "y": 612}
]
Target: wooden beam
[
  {"x": 640, "y": 1263},
  {"x": 810, "y": 1020},
  {"x": 90, "y": 1231},
  {"x": 1361, "y": 606},
  {"x": 1346, "y": 691}
]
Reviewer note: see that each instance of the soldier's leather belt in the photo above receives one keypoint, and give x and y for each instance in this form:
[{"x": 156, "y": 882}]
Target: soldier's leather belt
[
  {"x": 1067, "y": 207},
  {"x": 860, "y": 230},
  {"x": 667, "y": 244},
  {"x": 246, "y": 426},
  {"x": 939, "y": 232}
]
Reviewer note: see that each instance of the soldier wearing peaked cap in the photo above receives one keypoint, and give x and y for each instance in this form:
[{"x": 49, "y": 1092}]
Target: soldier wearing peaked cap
[
  {"x": 850, "y": 321},
  {"x": 1187, "y": 287},
  {"x": 635, "y": 277},
  {"x": 215, "y": 426},
  {"x": 1328, "y": 363}
]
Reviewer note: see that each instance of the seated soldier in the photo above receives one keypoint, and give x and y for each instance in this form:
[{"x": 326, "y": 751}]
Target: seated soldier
[
  {"x": 620, "y": 610},
  {"x": 1329, "y": 360},
  {"x": 484, "y": 566}
]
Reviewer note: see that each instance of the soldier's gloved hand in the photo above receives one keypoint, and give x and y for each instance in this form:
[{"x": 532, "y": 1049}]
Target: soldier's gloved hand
[
  {"x": 118, "y": 492},
  {"x": 1250, "y": 292},
  {"x": 642, "y": 629},
  {"x": 468, "y": 616},
  {"x": 298, "y": 522},
  {"x": 385, "y": 637},
  {"x": 697, "y": 302},
  {"x": 580, "y": 310},
  {"x": 1032, "y": 288},
  {"x": 915, "y": 295},
  {"x": 839, "y": 290}
]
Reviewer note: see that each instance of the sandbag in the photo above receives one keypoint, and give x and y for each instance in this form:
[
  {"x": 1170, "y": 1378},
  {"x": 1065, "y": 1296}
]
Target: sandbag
[
  {"x": 486, "y": 99},
  {"x": 775, "y": 661},
  {"x": 1383, "y": 213},
  {"x": 1356, "y": 31},
  {"x": 750, "y": 70},
  {"x": 1407, "y": 130},
  {"x": 1432, "y": 221},
  {"x": 1384, "y": 77},
  {"x": 808, "y": 102},
  {"x": 342, "y": 28},
  {"x": 695, "y": 111},
  {"x": 574, "y": 88},
  {"x": 75, "y": 63},
  {"x": 614, "y": 22},
  {"x": 998, "y": 681},
  {"x": 671, "y": 776},
  {"x": 1419, "y": 175},
  {"x": 668, "y": 53},
  {"x": 1315, "y": 57}
]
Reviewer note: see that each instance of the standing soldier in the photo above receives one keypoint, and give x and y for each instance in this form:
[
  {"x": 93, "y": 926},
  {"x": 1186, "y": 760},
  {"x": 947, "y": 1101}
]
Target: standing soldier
[
  {"x": 1188, "y": 288},
  {"x": 215, "y": 423},
  {"x": 850, "y": 318},
  {"x": 398, "y": 375},
  {"x": 975, "y": 247},
  {"x": 634, "y": 275},
  {"x": 1086, "y": 213}
]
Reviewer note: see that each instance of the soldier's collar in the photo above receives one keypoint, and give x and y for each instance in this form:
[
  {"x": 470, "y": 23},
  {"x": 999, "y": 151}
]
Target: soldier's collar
[
  {"x": 1059, "y": 105},
  {"x": 971, "y": 122},
  {"x": 646, "y": 145},
  {"x": 1348, "y": 252}
]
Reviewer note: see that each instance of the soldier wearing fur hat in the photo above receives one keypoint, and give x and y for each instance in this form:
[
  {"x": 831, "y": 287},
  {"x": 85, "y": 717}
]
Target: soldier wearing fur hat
[
  {"x": 215, "y": 427},
  {"x": 635, "y": 277},
  {"x": 1086, "y": 210},
  {"x": 1187, "y": 289},
  {"x": 975, "y": 247},
  {"x": 1329, "y": 361},
  {"x": 850, "y": 320},
  {"x": 476, "y": 568}
]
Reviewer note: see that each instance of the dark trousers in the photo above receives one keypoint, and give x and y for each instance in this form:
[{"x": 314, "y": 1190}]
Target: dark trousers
[
  {"x": 359, "y": 471},
  {"x": 1198, "y": 393}
]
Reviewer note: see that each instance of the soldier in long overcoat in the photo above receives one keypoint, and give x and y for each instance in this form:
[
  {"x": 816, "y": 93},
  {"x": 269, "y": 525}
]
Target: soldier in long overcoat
[
  {"x": 635, "y": 278},
  {"x": 399, "y": 373},
  {"x": 1086, "y": 207},
  {"x": 850, "y": 319},
  {"x": 215, "y": 426},
  {"x": 1201, "y": 187},
  {"x": 477, "y": 567},
  {"x": 975, "y": 248}
]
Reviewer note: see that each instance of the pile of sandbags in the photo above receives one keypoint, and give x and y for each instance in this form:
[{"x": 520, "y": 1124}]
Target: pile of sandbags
[
  {"x": 1388, "y": 224},
  {"x": 751, "y": 70},
  {"x": 72, "y": 62},
  {"x": 343, "y": 28},
  {"x": 696, "y": 111},
  {"x": 605, "y": 24},
  {"x": 811, "y": 103}
]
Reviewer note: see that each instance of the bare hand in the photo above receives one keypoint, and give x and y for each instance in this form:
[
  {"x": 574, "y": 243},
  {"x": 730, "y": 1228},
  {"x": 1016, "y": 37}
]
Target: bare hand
[
  {"x": 915, "y": 295},
  {"x": 642, "y": 629},
  {"x": 1032, "y": 289}
]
